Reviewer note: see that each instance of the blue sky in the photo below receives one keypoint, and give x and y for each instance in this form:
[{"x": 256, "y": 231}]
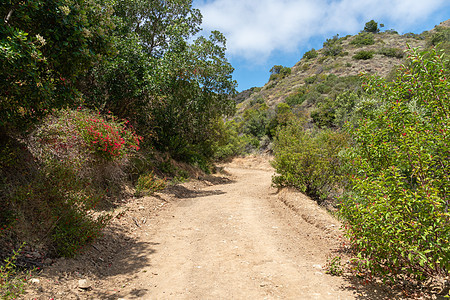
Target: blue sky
[{"x": 264, "y": 33}]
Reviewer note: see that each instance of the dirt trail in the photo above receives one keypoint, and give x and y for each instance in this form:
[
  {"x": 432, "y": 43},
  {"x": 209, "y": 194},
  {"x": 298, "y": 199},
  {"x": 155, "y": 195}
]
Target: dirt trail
[
  {"x": 231, "y": 240},
  {"x": 228, "y": 243}
]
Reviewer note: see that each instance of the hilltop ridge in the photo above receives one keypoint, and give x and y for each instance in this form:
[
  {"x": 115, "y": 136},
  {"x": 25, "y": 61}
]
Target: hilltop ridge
[{"x": 384, "y": 51}]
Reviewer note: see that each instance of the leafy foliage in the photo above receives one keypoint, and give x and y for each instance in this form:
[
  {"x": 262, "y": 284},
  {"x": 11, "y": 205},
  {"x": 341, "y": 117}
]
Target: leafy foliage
[
  {"x": 333, "y": 47},
  {"x": 296, "y": 98},
  {"x": 279, "y": 72},
  {"x": 44, "y": 46},
  {"x": 12, "y": 282},
  {"x": 310, "y": 54},
  {"x": 392, "y": 52},
  {"x": 363, "y": 39},
  {"x": 364, "y": 55},
  {"x": 169, "y": 88},
  {"x": 397, "y": 206},
  {"x": 371, "y": 26},
  {"x": 308, "y": 160},
  {"x": 233, "y": 142}
]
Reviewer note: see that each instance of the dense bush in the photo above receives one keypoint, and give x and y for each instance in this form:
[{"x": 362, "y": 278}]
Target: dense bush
[
  {"x": 364, "y": 55},
  {"x": 44, "y": 46},
  {"x": 255, "y": 120},
  {"x": 311, "y": 79},
  {"x": 324, "y": 114},
  {"x": 308, "y": 160},
  {"x": 310, "y": 54},
  {"x": 363, "y": 39},
  {"x": 296, "y": 98},
  {"x": 232, "y": 142},
  {"x": 344, "y": 108},
  {"x": 396, "y": 208},
  {"x": 392, "y": 52}
]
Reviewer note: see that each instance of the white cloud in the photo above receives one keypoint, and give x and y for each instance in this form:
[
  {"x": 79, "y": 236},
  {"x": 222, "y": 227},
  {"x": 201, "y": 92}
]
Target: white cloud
[{"x": 256, "y": 28}]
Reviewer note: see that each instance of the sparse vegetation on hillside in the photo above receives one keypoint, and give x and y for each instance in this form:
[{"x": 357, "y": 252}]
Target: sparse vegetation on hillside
[{"x": 333, "y": 46}]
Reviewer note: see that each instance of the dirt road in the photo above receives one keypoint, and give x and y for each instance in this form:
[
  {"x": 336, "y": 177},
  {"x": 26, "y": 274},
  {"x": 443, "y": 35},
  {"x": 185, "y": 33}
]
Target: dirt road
[
  {"x": 233, "y": 239},
  {"x": 230, "y": 241}
]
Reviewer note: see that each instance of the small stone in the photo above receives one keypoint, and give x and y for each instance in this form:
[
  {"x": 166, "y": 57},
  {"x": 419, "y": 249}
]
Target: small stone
[
  {"x": 318, "y": 273},
  {"x": 48, "y": 261},
  {"x": 35, "y": 280},
  {"x": 141, "y": 207},
  {"x": 84, "y": 284},
  {"x": 317, "y": 267}
]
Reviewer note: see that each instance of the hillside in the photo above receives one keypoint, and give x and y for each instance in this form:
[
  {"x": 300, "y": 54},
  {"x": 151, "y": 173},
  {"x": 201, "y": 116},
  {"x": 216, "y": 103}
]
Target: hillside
[{"x": 387, "y": 52}]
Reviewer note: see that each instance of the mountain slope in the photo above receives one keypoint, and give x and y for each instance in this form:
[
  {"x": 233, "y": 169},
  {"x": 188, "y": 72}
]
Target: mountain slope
[{"x": 387, "y": 52}]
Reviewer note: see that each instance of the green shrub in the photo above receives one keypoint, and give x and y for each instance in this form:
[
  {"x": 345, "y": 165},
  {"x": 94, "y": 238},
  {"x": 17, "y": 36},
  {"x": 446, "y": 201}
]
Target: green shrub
[
  {"x": 397, "y": 206},
  {"x": 279, "y": 72},
  {"x": 308, "y": 161},
  {"x": 310, "y": 80},
  {"x": 232, "y": 142},
  {"x": 391, "y": 31},
  {"x": 332, "y": 47},
  {"x": 255, "y": 121},
  {"x": 412, "y": 35},
  {"x": 297, "y": 98},
  {"x": 149, "y": 184},
  {"x": 12, "y": 281},
  {"x": 441, "y": 35},
  {"x": 323, "y": 116},
  {"x": 363, "y": 39},
  {"x": 310, "y": 54},
  {"x": 344, "y": 106},
  {"x": 392, "y": 52},
  {"x": 323, "y": 88},
  {"x": 364, "y": 55},
  {"x": 371, "y": 26}
]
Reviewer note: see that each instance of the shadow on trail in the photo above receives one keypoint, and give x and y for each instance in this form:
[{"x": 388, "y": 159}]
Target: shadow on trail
[
  {"x": 365, "y": 290},
  {"x": 133, "y": 294},
  {"x": 182, "y": 192},
  {"x": 112, "y": 254}
]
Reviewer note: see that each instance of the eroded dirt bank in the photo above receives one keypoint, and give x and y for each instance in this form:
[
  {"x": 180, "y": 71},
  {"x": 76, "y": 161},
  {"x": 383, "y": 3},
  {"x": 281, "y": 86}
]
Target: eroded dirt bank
[{"x": 228, "y": 237}]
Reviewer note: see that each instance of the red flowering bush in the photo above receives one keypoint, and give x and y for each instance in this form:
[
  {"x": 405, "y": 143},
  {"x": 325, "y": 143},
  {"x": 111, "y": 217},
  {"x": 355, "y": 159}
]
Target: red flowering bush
[
  {"x": 83, "y": 156},
  {"x": 109, "y": 139}
]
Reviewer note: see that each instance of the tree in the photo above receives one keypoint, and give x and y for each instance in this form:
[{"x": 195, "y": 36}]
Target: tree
[
  {"x": 44, "y": 47},
  {"x": 279, "y": 72},
  {"x": 160, "y": 80},
  {"x": 371, "y": 26}
]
